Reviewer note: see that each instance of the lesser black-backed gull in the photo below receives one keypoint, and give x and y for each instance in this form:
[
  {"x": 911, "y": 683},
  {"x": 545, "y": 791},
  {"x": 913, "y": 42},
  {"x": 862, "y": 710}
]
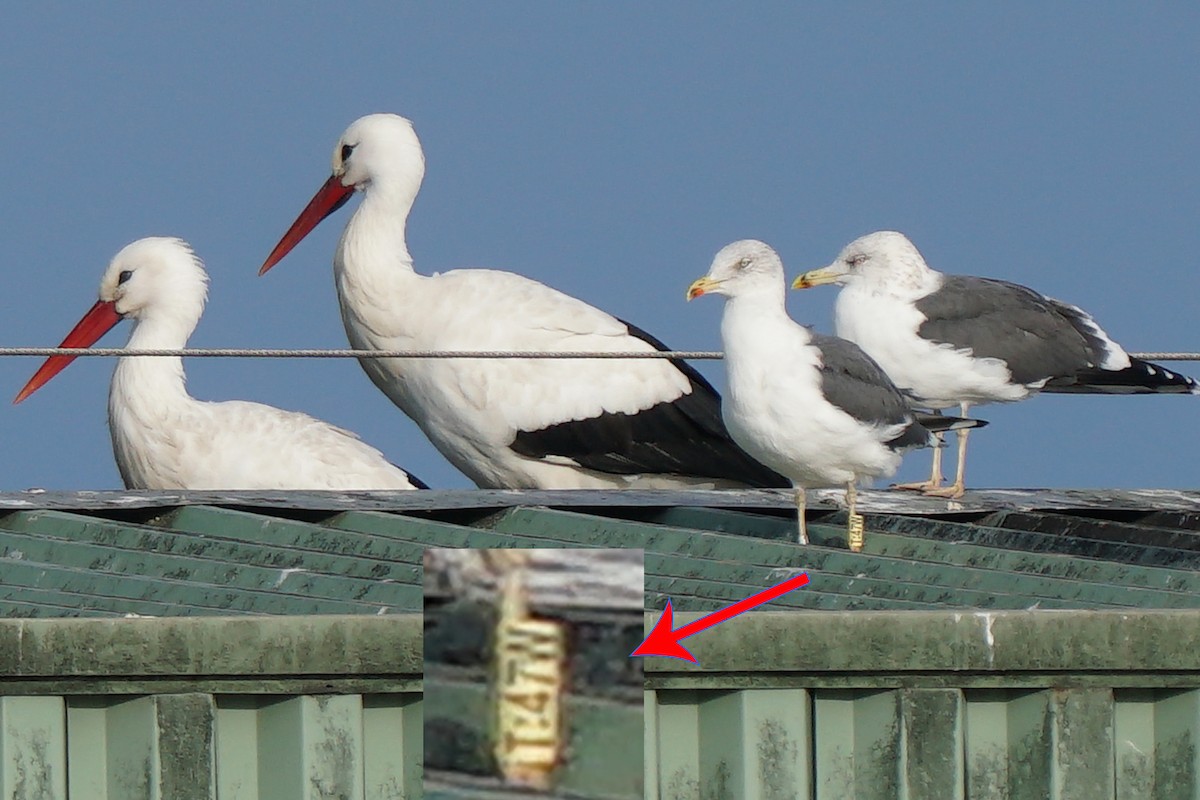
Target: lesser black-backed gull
[
  {"x": 814, "y": 408},
  {"x": 957, "y": 340}
]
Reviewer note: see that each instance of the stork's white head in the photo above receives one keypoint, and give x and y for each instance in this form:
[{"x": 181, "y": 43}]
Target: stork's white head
[
  {"x": 158, "y": 277},
  {"x": 158, "y": 281},
  {"x": 884, "y": 259},
  {"x": 744, "y": 267},
  {"x": 379, "y": 154},
  {"x": 380, "y": 147}
]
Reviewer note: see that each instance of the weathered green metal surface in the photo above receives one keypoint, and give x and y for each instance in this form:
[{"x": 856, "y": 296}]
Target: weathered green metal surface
[
  {"x": 1100, "y": 543},
  {"x": 1156, "y": 743},
  {"x": 200, "y": 746},
  {"x": 139, "y": 552},
  {"x": 121, "y": 553},
  {"x": 1118, "y": 645},
  {"x": 990, "y": 705},
  {"x": 427, "y": 533},
  {"x": 211, "y": 708},
  {"x": 32, "y": 748},
  {"x": 951, "y": 545},
  {"x": 1142, "y": 504},
  {"x": 217, "y": 652},
  {"x": 937, "y": 686}
]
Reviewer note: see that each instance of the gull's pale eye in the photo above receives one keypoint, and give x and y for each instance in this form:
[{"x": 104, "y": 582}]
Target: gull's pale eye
[
  {"x": 125, "y": 275},
  {"x": 347, "y": 149},
  {"x": 745, "y": 262},
  {"x": 857, "y": 259}
]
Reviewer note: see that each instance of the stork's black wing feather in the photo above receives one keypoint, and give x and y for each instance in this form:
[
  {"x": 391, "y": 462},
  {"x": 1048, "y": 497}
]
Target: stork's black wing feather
[{"x": 683, "y": 437}]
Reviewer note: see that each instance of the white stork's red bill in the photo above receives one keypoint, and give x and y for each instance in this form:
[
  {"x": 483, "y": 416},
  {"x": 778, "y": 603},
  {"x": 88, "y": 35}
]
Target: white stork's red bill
[
  {"x": 512, "y": 423},
  {"x": 165, "y": 439}
]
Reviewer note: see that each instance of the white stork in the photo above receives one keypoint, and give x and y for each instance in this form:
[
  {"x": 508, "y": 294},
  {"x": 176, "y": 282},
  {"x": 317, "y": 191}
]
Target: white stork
[
  {"x": 165, "y": 439},
  {"x": 513, "y": 423}
]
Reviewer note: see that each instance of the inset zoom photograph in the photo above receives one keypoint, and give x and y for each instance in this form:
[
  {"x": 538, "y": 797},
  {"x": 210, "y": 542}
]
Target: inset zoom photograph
[{"x": 529, "y": 687}]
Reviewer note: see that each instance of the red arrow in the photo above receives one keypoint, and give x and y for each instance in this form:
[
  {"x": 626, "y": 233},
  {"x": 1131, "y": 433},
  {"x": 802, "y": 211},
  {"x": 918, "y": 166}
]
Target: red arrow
[{"x": 663, "y": 641}]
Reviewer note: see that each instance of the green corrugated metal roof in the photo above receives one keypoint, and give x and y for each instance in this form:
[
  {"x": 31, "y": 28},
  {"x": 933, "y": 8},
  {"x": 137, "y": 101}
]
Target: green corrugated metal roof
[
  {"x": 160, "y": 554},
  {"x": 934, "y": 689},
  {"x": 218, "y": 708},
  {"x": 987, "y": 705}
]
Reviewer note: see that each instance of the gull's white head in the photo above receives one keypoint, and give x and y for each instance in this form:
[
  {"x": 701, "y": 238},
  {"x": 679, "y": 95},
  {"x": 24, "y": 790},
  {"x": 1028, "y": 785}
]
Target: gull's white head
[
  {"x": 158, "y": 277},
  {"x": 884, "y": 258},
  {"x": 740, "y": 268}
]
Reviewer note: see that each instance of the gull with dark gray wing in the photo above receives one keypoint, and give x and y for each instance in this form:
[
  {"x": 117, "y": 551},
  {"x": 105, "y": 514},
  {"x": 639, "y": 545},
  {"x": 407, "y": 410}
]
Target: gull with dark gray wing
[
  {"x": 951, "y": 340},
  {"x": 814, "y": 408}
]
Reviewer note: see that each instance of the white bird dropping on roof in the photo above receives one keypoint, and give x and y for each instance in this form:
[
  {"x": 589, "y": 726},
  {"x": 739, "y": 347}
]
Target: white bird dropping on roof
[
  {"x": 511, "y": 423},
  {"x": 814, "y": 408},
  {"x": 949, "y": 340},
  {"x": 165, "y": 439}
]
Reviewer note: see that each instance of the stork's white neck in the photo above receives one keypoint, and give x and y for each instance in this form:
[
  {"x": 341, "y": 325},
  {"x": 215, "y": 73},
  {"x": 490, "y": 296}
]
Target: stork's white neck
[
  {"x": 373, "y": 240},
  {"x": 380, "y": 295},
  {"x": 150, "y": 387}
]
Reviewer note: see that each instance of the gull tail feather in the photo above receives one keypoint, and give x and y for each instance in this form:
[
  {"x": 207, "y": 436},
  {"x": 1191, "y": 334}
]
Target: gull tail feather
[
  {"x": 939, "y": 424},
  {"x": 1140, "y": 377}
]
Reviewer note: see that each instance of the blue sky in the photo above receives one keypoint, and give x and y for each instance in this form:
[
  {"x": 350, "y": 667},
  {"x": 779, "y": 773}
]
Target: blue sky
[{"x": 610, "y": 151}]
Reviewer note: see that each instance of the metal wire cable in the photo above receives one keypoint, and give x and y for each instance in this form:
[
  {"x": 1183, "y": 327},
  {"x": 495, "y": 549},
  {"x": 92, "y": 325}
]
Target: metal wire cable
[
  {"x": 239, "y": 352},
  {"x": 1166, "y": 356},
  {"x": 233, "y": 352}
]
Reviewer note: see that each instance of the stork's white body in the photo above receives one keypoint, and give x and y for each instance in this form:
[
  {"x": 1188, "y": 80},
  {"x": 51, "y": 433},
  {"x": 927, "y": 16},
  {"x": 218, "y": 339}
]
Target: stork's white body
[
  {"x": 165, "y": 439},
  {"x": 474, "y": 410}
]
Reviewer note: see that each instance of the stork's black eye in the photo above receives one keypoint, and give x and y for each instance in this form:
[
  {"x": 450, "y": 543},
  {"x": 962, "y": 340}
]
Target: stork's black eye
[
  {"x": 125, "y": 275},
  {"x": 347, "y": 149}
]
